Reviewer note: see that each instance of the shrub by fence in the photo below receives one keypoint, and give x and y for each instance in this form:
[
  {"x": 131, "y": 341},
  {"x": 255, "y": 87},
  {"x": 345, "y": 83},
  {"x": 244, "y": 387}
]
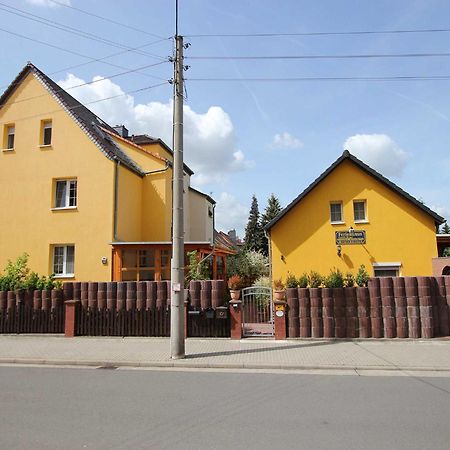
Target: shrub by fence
[
  {"x": 32, "y": 311},
  {"x": 414, "y": 307}
]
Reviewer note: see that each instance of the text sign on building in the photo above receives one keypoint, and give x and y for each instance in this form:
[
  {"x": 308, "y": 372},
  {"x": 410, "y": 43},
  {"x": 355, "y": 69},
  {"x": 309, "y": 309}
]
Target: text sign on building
[{"x": 350, "y": 237}]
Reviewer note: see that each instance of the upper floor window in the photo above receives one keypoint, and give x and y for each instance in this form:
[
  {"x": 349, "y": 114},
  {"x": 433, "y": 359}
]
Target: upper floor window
[
  {"x": 66, "y": 194},
  {"x": 46, "y": 132},
  {"x": 359, "y": 210},
  {"x": 64, "y": 260},
  {"x": 336, "y": 215},
  {"x": 10, "y": 133}
]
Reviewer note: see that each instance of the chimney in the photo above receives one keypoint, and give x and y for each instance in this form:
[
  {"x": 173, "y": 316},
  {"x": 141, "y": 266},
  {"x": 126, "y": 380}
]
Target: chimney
[{"x": 122, "y": 130}]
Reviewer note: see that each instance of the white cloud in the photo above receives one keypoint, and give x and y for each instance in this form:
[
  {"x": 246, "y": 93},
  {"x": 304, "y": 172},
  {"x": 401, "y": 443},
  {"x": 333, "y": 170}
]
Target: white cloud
[
  {"x": 209, "y": 139},
  {"x": 378, "y": 151},
  {"x": 286, "y": 140},
  {"x": 48, "y": 3},
  {"x": 230, "y": 214}
]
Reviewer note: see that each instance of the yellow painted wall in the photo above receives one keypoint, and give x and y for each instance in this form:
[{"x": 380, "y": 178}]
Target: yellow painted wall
[
  {"x": 397, "y": 231},
  {"x": 156, "y": 207},
  {"x": 27, "y": 222},
  {"x": 129, "y": 210}
]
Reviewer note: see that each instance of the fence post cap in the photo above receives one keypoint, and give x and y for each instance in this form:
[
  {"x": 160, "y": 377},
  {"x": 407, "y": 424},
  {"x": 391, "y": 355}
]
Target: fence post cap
[{"x": 72, "y": 302}]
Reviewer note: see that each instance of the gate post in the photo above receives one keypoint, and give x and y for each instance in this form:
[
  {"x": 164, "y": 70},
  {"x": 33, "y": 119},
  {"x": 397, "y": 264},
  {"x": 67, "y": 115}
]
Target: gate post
[
  {"x": 280, "y": 319},
  {"x": 71, "y": 307},
  {"x": 236, "y": 319}
]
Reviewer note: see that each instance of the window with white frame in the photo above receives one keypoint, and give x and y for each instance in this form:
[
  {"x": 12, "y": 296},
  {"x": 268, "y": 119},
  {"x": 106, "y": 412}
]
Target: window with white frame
[
  {"x": 386, "y": 269},
  {"x": 46, "y": 132},
  {"x": 10, "y": 134},
  {"x": 359, "y": 210},
  {"x": 66, "y": 193},
  {"x": 336, "y": 215},
  {"x": 63, "y": 260}
]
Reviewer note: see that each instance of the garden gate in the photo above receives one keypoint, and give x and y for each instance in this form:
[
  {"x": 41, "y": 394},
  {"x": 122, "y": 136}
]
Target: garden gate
[{"x": 257, "y": 311}]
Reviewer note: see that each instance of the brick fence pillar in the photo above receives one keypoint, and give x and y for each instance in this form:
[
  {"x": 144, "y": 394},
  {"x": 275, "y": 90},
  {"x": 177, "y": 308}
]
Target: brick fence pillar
[
  {"x": 236, "y": 319},
  {"x": 280, "y": 319},
  {"x": 71, "y": 317}
]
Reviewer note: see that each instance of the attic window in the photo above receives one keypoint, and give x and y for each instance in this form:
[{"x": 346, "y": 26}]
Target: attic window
[
  {"x": 336, "y": 215},
  {"x": 9, "y": 137},
  {"x": 46, "y": 132}
]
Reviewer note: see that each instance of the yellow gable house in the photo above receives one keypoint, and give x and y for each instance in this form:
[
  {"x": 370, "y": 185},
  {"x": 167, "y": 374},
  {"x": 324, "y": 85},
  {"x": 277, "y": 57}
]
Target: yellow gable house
[
  {"x": 85, "y": 200},
  {"x": 352, "y": 215}
]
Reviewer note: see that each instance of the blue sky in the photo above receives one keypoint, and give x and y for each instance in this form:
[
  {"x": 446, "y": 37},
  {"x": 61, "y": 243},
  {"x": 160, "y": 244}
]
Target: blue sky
[{"x": 244, "y": 137}]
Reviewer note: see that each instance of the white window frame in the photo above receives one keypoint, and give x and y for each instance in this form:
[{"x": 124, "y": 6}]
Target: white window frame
[
  {"x": 65, "y": 273},
  {"x": 46, "y": 124},
  {"x": 342, "y": 213},
  {"x": 67, "y": 205},
  {"x": 365, "y": 220},
  {"x": 387, "y": 266},
  {"x": 8, "y": 134}
]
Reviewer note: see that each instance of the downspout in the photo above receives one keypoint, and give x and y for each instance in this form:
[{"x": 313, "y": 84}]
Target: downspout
[
  {"x": 158, "y": 170},
  {"x": 267, "y": 234},
  {"x": 116, "y": 199}
]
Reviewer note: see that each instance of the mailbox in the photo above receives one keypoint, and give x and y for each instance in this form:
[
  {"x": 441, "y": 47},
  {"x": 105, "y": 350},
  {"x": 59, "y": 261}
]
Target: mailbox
[
  {"x": 209, "y": 313},
  {"x": 222, "y": 313}
]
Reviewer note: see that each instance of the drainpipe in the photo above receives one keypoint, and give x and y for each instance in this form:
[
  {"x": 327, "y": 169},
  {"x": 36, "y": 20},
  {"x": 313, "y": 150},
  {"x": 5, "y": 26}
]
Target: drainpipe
[
  {"x": 158, "y": 170},
  {"x": 116, "y": 199},
  {"x": 267, "y": 234}
]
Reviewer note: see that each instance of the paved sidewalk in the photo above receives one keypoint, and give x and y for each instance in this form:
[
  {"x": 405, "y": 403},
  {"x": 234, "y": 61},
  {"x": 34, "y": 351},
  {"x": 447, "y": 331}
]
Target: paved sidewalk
[{"x": 387, "y": 355}]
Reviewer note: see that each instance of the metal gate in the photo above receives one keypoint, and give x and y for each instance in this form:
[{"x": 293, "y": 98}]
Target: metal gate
[{"x": 257, "y": 311}]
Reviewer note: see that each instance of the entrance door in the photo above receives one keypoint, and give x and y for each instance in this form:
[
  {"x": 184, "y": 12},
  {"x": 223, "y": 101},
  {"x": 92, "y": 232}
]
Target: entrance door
[{"x": 257, "y": 311}]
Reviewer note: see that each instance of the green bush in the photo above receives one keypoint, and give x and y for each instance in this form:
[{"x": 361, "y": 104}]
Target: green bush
[
  {"x": 349, "y": 280},
  {"x": 302, "y": 281},
  {"x": 17, "y": 276},
  {"x": 362, "y": 277},
  {"x": 314, "y": 279},
  {"x": 291, "y": 281},
  {"x": 198, "y": 269},
  {"x": 334, "y": 280},
  {"x": 249, "y": 265}
]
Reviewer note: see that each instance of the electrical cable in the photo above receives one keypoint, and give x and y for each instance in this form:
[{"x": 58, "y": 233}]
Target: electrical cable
[
  {"x": 380, "y": 78},
  {"x": 146, "y": 88},
  {"x": 106, "y": 19},
  {"x": 48, "y": 44},
  {"x": 87, "y": 83},
  {"x": 356, "y": 56},
  {"x": 69, "y": 29},
  {"x": 322, "y": 33}
]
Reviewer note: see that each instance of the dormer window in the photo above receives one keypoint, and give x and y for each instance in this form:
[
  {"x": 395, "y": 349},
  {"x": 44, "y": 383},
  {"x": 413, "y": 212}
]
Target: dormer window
[{"x": 46, "y": 133}]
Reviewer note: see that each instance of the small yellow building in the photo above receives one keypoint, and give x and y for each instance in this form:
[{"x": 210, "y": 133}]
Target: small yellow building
[
  {"x": 352, "y": 215},
  {"x": 85, "y": 200}
]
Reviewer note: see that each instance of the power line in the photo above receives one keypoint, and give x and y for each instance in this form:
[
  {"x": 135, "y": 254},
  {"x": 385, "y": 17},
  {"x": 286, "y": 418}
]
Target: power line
[
  {"x": 101, "y": 59},
  {"x": 322, "y": 33},
  {"x": 88, "y": 82},
  {"x": 381, "y": 78},
  {"x": 146, "y": 88},
  {"x": 357, "y": 56},
  {"x": 69, "y": 29},
  {"x": 48, "y": 44},
  {"x": 106, "y": 19}
]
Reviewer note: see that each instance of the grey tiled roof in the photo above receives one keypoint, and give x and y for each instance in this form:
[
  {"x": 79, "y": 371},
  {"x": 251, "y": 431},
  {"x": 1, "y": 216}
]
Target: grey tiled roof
[
  {"x": 347, "y": 156},
  {"x": 86, "y": 119}
]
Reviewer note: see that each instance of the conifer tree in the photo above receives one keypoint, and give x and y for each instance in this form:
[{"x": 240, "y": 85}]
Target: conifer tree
[
  {"x": 273, "y": 208},
  {"x": 253, "y": 232},
  {"x": 445, "y": 228}
]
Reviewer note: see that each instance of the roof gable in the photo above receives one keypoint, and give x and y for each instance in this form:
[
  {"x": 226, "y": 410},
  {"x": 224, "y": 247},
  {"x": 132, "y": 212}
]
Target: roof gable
[
  {"x": 86, "y": 119},
  {"x": 347, "y": 156}
]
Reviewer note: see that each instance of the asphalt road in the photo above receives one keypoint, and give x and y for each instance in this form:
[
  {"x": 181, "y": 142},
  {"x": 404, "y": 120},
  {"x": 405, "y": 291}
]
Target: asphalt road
[{"x": 60, "y": 408}]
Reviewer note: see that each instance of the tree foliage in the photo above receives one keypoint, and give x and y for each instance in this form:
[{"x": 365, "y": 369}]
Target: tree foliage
[
  {"x": 445, "y": 228},
  {"x": 254, "y": 233},
  {"x": 273, "y": 208}
]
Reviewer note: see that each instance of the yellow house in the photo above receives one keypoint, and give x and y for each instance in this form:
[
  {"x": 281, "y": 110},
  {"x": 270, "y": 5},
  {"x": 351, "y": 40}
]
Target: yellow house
[
  {"x": 352, "y": 215},
  {"x": 85, "y": 200}
]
